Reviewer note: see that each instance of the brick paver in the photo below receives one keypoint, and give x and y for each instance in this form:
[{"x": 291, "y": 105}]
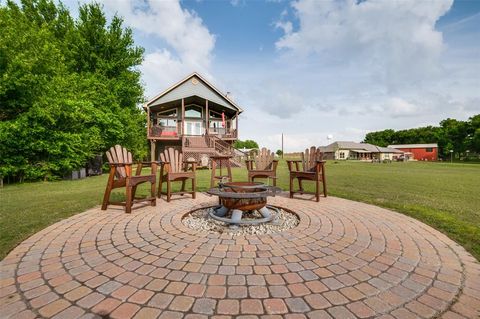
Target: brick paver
[{"x": 344, "y": 259}]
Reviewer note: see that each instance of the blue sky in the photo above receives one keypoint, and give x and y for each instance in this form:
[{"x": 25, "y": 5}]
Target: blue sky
[
  {"x": 310, "y": 68},
  {"x": 247, "y": 28}
]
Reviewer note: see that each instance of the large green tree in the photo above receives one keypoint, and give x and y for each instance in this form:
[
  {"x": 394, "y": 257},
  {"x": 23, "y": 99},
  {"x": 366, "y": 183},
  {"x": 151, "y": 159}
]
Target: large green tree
[
  {"x": 249, "y": 144},
  {"x": 69, "y": 88},
  {"x": 451, "y": 134},
  {"x": 474, "y": 134}
]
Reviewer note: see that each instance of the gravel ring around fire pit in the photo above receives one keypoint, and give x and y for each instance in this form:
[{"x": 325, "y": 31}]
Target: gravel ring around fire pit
[{"x": 200, "y": 220}]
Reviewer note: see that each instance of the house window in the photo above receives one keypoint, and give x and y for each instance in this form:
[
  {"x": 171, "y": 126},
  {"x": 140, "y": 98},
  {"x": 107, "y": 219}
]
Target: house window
[
  {"x": 193, "y": 111},
  {"x": 342, "y": 155},
  {"x": 167, "y": 122},
  {"x": 168, "y": 113},
  {"x": 167, "y": 118},
  {"x": 429, "y": 149},
  {"x": 215, "y": 115},
  {"x": 215, "y": 124}
]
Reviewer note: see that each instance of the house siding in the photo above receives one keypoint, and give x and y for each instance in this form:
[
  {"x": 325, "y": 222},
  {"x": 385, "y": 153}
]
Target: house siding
[{"x": 421, "y": 154}]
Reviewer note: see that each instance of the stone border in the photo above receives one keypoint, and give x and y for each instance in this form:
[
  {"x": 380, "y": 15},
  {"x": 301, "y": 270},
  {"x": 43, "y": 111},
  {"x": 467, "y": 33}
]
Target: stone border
[{"x": 344, "y": 259}]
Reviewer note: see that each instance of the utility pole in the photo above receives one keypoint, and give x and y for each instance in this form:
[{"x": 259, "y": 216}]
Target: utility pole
[{"x": 282, "y": 145}]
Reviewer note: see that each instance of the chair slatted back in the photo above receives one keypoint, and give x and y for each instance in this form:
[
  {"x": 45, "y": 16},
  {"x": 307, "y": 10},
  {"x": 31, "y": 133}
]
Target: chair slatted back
[
  {"x": 310, "y": 158},
  {"x": 264, "y": 160},
  {"x": 117, "y": 154},
  {"x": 174, "y": 157}
]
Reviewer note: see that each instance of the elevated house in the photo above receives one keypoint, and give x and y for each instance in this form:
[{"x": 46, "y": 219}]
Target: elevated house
[
  {"x": 345, "y": 150},
  {"x": 194, "y": 117}
]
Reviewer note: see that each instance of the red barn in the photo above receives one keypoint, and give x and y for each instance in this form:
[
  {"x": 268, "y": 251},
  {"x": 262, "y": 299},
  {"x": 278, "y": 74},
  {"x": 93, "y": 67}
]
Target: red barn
[{"x": 421, "y": 152}]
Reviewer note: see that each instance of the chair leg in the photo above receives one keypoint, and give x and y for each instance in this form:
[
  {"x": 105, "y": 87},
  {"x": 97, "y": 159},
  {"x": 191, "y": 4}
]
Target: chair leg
[
  {"x": 128, "y": 203},
  {"x": 153, "y": 202},
  {"x": 291, "y": 186},
  {"x": 169, "y": 190},
  {"x": 160, "y": 184},
  {"x": 213, "y": 168},
  {"x": 134, "y": 191},
  {"x": 183, "y": 185},
  {"x": 194, "y": 188},
  {"x": 317, "y": 189},
  {"x": 300, "y": 185},
  {"x": 324, "y": 186},
  {"x": 106, "y": 196}
]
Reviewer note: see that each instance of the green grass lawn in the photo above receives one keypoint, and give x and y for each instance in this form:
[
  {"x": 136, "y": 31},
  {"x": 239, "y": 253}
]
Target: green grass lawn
[{"x": 445, "y": 196}]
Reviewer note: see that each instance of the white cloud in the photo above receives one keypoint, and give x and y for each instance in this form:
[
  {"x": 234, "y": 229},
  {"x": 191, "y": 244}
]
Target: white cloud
[
  {"x": 237, "y": 3},
  {"x": 342, "y": 68},
  {"x": 395, "y": 40},
  {"x": 398, "y": 107},
  {"x": 190, "y": 43}
]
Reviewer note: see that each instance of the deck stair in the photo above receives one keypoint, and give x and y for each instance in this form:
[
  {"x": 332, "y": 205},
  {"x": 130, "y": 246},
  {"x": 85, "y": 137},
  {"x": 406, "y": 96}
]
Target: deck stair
[{"x": 211, "y": 145}]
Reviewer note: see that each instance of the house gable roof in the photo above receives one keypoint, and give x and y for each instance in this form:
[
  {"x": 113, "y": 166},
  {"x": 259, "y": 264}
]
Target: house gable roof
[
  {"x": 357, "y": 147},
  {"x": 388, "y": 150},
  {"x": 194, "y": 85},
  {"x": 432, "y": 145}
]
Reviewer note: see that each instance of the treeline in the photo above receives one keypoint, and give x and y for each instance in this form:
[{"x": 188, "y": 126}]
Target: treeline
[
  {"x": 249, "y": 144},
  {"x": 69, "y": 89},
  {"x": 461, "y": 137}
]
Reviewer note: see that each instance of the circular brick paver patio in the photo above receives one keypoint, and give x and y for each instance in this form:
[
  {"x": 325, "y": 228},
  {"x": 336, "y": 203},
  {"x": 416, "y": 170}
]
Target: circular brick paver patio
[{"x": 344, "y": 260}]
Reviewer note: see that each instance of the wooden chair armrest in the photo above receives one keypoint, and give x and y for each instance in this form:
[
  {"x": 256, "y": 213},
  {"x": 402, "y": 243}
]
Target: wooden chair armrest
[
  {"x": 194, "y": 165},
  {"x": 290, "y": 162}
]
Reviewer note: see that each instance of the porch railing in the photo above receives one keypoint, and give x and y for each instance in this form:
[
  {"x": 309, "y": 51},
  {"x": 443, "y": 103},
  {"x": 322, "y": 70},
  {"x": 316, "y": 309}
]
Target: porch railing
[
  {"x": 175, "y": 131},
  {"x": 164, "y": 131},
  {"x": 222, "y": 132}
]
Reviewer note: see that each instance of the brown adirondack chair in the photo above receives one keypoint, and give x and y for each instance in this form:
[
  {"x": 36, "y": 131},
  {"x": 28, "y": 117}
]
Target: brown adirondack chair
[
  {"x": 120, "y": 161},
  {"x": 265, "y": 166},
  {"x": 313, "y": 169},
  {"x": 173, "y": 168}
]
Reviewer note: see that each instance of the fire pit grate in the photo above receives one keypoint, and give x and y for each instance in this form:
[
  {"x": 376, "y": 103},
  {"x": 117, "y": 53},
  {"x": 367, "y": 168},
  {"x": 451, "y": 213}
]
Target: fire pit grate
[{"x": 200, "y": 220}]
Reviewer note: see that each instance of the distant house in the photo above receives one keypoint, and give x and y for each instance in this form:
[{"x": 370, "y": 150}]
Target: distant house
[
  {"x": 344, "y": 150},
  {"x": 420, "y": 152}
]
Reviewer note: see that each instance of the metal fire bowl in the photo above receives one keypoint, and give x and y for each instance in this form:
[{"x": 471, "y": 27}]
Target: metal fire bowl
[
  {"x": 244, "y": 190},
  {"x": 244, "y": 195}
]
